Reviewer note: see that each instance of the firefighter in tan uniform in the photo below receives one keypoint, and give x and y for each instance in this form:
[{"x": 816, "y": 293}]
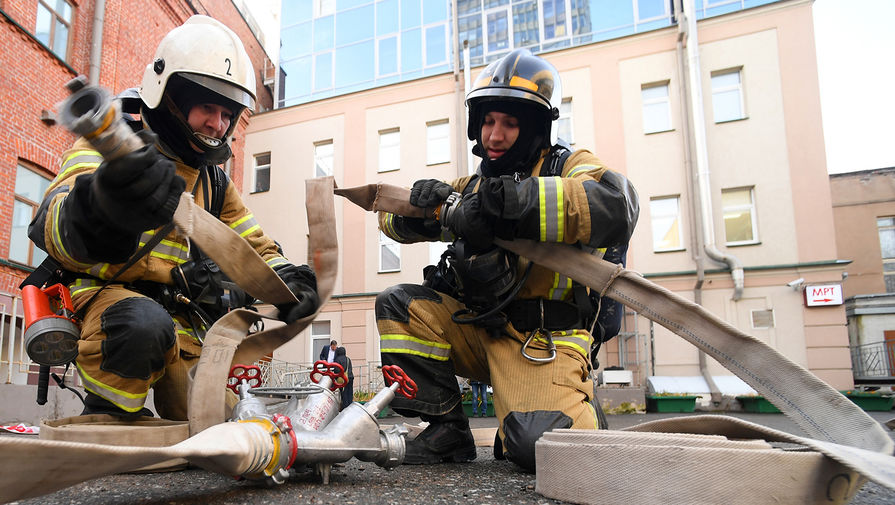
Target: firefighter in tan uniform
[
  {"x": 136, "y": 332},
  {"x": 486, "y": 314}
]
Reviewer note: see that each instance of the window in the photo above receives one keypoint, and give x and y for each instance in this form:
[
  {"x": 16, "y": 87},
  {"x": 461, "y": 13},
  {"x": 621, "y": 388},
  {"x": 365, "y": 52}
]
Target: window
[
  {"x": 666, "y": 223},
  {"x": 30, "y": 188},
  {"x": 54, "y": 25},
  {"x": 762, "y": 319},
  {"x": 564, "y": 123},
  {"x": 438, "y": 142},
  {"x": 262, "y": 173},
  {"x": 739, "y": 216},
  {"x": 555, "y": 19},
  {"x": 323, "y": 158},
  {"x": 656, "y": 108},
  {"x": 727, "y": 96},
  {"x": 886, "y": 227},
  {"x": 389, "y": 254},
  {"x": 324, "y": 7},
  {"x": 389, "y": 150},
  {"x": 497, "y": 22},
  {"x": 321, "y": 335}
]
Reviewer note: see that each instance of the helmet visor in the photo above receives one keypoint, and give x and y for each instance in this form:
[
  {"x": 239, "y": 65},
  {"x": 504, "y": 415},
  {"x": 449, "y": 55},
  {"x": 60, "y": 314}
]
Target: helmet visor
[{"x": 225, "y": 89}]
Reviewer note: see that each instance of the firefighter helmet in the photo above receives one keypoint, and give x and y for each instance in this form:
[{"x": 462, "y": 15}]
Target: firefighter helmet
[{"x": 521, "y": 78}]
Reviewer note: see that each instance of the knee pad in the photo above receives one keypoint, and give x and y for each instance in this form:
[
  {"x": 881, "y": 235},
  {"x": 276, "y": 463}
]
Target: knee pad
[
  {"x": 394, "y": 302},
  {"x": 139, "y": 332},
  {"x": 522, "y": 429}
]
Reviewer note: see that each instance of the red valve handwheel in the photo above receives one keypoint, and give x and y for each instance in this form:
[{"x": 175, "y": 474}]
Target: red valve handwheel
[
  {"x": 238, "y": 373},
  {"x": 332, "y": 370},
  {"x": 393, "y": 373}
]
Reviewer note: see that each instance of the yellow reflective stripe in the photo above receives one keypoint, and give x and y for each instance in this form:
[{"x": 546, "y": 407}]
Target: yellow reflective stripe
[
  {"x": 579, "y": 340},
  {"x": 81, "y": 285},
  {"x": 561, "y": 286},
  {"x": 92, "y": 159},
  {"x": 99, "y": 270},
  {"x": 551, "y": 209},
  {"x": 580, "y": 169},
  {"x": 245, "y": 225},
  {"x": 593, "y": 413},
  {"x": 276, "y": 261},
  {"x": 406, "y": 344},
  {"x": 129, "y": 402},
  {"x": 389, "y": 223},
  {"x": 57, "y": 238}
]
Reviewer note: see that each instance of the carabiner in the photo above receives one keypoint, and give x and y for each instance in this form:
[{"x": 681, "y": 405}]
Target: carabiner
[{"x": 540, "y": 330}]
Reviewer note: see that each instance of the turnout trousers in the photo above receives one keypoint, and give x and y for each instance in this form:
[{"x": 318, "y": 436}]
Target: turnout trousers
[
  {"x": 418, "y": 334},
  {"x": 129, "y": 344}
]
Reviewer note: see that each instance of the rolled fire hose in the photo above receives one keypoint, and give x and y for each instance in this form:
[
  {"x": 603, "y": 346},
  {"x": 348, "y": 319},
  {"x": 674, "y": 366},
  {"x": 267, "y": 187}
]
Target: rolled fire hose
[{"x": 846, "y": 437}]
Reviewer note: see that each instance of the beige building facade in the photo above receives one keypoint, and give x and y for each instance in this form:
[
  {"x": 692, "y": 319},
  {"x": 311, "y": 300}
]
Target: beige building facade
[{"x": 764, "y": 172}]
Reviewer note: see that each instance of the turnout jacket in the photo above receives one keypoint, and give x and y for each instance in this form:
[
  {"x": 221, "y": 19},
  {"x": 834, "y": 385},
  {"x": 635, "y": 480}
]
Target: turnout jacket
[
  {"x": 80, "y": 250},
  {"x": 587, "y": 204}
]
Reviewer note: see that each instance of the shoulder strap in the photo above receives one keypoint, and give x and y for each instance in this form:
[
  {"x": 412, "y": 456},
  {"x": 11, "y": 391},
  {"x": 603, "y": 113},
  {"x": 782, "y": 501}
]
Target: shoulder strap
[
  {"x": 556, "y": 159},
  {"x": 219, "y": 183}
]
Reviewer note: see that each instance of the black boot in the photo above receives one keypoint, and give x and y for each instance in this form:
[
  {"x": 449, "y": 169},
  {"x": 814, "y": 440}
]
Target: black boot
[
  {"x": 95, "y": 404},
  {"x": 447, "y": 439}
]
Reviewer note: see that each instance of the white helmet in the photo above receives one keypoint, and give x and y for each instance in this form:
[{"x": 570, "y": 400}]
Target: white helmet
[{"x": 206, "y": 52}]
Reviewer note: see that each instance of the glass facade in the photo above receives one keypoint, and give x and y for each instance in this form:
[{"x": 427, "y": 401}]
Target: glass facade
[{"x": 333, "y": 47}]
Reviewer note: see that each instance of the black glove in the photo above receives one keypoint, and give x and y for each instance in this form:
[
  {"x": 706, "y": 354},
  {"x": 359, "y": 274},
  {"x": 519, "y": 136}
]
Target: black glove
[
  {"x": 138, "y": 191},
  {"x": 468, "y": 222},
  {"x": 303, "y": 284},
  {"x": 428, "y": 193}
]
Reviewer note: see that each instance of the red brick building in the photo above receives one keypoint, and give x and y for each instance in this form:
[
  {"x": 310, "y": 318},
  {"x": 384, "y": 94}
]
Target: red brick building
[{"x": 45, "y": 43}]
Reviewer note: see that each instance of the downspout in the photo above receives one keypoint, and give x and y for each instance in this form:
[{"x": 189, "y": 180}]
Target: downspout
[
  {"x": 702, "y": 162},
  {"x": 96, "y": 44},
  {"x": 704, "y": 220},
  {"x": 459, "y": 93}
]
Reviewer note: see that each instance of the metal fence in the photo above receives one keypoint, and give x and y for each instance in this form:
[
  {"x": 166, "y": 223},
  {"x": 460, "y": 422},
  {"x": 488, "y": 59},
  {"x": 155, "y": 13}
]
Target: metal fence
[{"x": 874, "y": 362}]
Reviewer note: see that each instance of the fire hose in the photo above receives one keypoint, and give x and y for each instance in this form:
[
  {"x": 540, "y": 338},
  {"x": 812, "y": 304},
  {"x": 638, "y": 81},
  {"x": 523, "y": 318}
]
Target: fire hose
[{"x": 844, "y": 435}]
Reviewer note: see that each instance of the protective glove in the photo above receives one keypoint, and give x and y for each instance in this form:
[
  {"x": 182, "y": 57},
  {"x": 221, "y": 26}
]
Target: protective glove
[
  {"x": 303, "y": 284},
  {"x": 138, "y": 191},
  {"x": 427, "y": 193},
  {"x": 468, "y": 222}
]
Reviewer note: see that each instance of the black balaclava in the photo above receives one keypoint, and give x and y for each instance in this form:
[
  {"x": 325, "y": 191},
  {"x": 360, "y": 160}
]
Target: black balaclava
[
  {"x": 524, "y": 152},
  {"x": 169, "y": 122}
]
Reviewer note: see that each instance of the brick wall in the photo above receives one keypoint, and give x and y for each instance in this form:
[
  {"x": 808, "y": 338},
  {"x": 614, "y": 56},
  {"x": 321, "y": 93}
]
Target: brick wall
[{"x": 33, "y": 80}]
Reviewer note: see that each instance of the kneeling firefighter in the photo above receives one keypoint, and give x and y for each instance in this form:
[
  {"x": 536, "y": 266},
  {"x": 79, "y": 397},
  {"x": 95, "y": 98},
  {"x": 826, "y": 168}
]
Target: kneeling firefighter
[
  {"x": 142, "y": 295},
  {"x": 486, "y": 314}
]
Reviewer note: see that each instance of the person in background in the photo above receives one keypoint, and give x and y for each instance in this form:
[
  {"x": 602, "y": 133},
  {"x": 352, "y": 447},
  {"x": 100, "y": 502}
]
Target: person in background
[
  {"x": 328, "y": 353},
  {"x": 479, "y": 397},
  {"x": 347, "y": 392}
]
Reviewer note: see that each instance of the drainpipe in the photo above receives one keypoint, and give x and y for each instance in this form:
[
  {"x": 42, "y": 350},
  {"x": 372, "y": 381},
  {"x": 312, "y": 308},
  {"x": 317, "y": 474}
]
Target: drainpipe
[
  {"x": 701, "y": 150},
  {"x": 460, "y": 93},
  {"x": 96, "y": 44}
]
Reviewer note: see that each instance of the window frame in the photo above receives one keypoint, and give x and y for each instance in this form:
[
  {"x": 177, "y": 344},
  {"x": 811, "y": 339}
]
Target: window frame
[
  {"x": 430, "y": 142},
  {"x": 317, "y": 157},
  {"x": 34, "y": 205},
  {"x": 677, "y": 219},
  {"x": 566, "y": 115},
  {"x": 258, "y": 168},
  {"x": 886, "y": 260},
  {"x": 394, "y": 134},
  {"x": 738, "y": 88},
  {"x": 55, "y": 19},
  {"x": 508, "y": 9},
  {"x": 567, "y": 24},
  {"x": 654, "y": 101},
  {"x": 395, "y": 247},
  {"x": 313, "y": 337},
  {"x": 751, "y": 207}
]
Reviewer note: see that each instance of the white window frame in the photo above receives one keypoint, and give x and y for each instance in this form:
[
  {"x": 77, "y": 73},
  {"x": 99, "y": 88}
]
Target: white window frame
[
  {"x": 438, "y": 142},
  {"x": 750, "y": 207},
  {"x": 397, "y": 37},
  {"x": 659, "y": 223},
  {"x": 324, "y": 8},
  {"x": 738, "y": 88},
  {"x": 386, "y": 242},
  {"x": 260, "y": 168},
  {"x": 447, "y": 44},
  {"x": 323, "y": 161},
  {"x": 886, "y": 225},
  {"x": 652, "y": 101},
  {"x": 35, "y": 255},
  {"x": 389, "y": 150},
  {"x": 639, "y": 21},
  {"x": 565, "y": 114},
  {"x": 317, "y": 334}
]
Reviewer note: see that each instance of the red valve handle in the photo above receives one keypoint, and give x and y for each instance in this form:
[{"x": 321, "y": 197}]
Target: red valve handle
[
  {"x": 238, "y": 373},
  {"x": 331, "y": 370},
  {"x": 393, "y": 373}
]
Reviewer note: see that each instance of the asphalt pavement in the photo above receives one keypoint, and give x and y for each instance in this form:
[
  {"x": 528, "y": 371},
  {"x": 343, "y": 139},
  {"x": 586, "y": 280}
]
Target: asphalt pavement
[{"x": 483, "y": 481}]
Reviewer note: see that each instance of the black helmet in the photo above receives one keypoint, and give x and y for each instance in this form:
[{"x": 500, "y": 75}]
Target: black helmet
[{"x": 519, "y": 78}]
